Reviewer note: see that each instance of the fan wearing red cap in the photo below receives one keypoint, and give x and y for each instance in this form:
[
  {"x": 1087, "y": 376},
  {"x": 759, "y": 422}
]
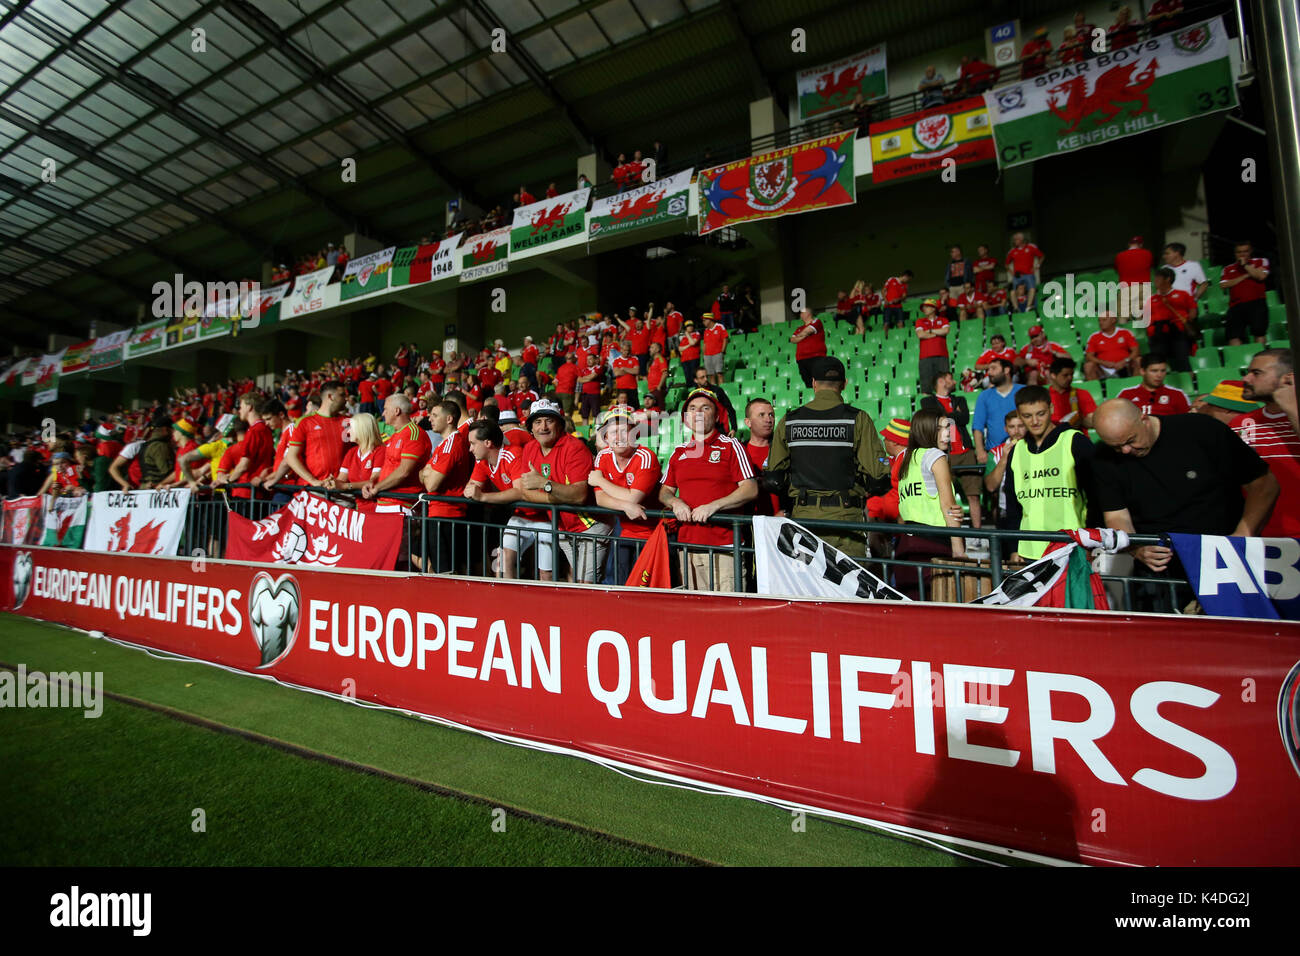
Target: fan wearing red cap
[{"x": 1036, "y": 357}]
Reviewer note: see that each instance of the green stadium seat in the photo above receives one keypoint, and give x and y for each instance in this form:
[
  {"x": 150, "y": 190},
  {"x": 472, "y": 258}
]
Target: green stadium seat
[
  {"x": 1116, "y": 385},
  {"x": 1092, "y": 388},
  {"x": 896, "y": 408},
  {"x": 1206, "y": 357},
  {"x": 1237, "y": 357},
  {"x": 1181, "y": 380},
  {"x": 1207, "y": 378}
]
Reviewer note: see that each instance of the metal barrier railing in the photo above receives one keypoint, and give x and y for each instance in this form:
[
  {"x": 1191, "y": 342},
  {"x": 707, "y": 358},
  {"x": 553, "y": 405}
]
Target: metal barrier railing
[{"x": 491, "y": 541}]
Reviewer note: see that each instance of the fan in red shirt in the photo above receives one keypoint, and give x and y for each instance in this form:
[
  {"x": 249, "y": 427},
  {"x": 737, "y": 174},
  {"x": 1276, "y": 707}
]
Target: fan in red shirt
[
  {"x": 1153, "y": 396},
  {"x": 405, "y": 453},
  {"x": 1269, "y": 431},
  {"x": 525, "y": 197},
  {"x": 447, "y": 473},
  {"x": 998, "y": 349},
  {"x": 810, "y": 344},
  {"x": 1134, "y": 263},
  {"x": 932, "y": 330},
  {"x": 760, "y": 419},
  {"x": 688, "y": 349},
  {"x": 709, "y": 474},
  {"x": 1169, "y": 310},
  {"x": 715, "y": 348},
  {"x": 363, "y": 460},
  {"x": 314, "y": 453},
  {"x": 1110, "y": 351},
  {"x": 1070, "y": 406},
  {"x": 258, "y": 452},
  {"x": 625, "y": 478},
  {"x": 1023, "y": 260},
  {"x": 895, "y": 292},
  {"x": 672, "y": 320},
  {"x": 566, "y": 382},
  {"x": 970, "y": 304},
  {"x": 366, "y": 392},
  {"x": 985, "y": 267},
  {"x": 657, "y": 372},
  {"x": 1036, "y": 357},
  {"x": 997, "y": 300},
  {"x": 895, "y": 435},
  {"x": 625, "y": 369},
  {"x": 1033, "y": 57},
  {"x": 637, "y": 342},
  {"x": 1245, "y": 279}
]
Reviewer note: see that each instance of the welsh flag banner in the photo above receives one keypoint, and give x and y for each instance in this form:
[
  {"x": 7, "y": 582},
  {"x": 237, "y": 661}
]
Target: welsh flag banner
[
  {"x": 541, "y": 226},
  {"x": 13, "y": 376},
  {"x": 256, "y": 306},
  {"x": 366, "y": 275},
  {"x": 1134, "y": 89},
  {"x": 485, "y": 255},
  {"x": 435, "y": 260},
  {"x": 146, "y": 338},
  {"x": 76, "y": 358},
  {"x": 653, "y": 568},
  {"x": 660, "y": 201},
  {"x": 817, "y": 174},
  {"x": 65, "y": 521},
  {"x": 311, "y": 530},
  {"x": 107, "y": 350},
  {"x": 1062, "y": 577},
  {"x": 47, "y": 379},
  {"x": 832, "y": 87},
  {"x": 920, "y": 142},
  {"x": 141, "y": 522},
  {"x": 210, "y": 326},
  {"x": 22, "y": 520}
]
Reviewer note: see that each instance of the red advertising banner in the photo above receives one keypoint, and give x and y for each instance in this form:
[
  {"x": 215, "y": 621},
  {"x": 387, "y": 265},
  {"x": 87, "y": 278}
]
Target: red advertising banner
[
  {"x": 311, "y": 530},
  {"x": 1097, "y": 737},
  {"x": 817, "y": 174},
  {"x": 22, "y": 520},
  {"x": 920, "y": 142}
]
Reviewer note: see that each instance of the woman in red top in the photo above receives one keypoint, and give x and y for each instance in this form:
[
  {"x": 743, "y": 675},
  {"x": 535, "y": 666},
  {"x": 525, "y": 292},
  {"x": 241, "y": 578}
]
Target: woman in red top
[{"x": 363, "y": 460}]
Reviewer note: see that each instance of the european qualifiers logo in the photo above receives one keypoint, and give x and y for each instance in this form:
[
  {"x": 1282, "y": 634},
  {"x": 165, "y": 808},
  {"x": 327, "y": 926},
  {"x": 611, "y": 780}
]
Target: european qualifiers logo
[
  {"x": 22, "y": 578},
  {"x": 274, "y": 605},
  {"x": 1288, "y": 715},
  {"x": 77, "y": 909}
]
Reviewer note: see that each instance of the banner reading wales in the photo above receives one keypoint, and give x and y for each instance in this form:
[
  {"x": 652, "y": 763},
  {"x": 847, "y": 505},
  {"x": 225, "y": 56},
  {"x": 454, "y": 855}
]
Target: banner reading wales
[
  {"x": 107, "y": 350},
  {"x": 434, "y": 260},
  {"x": 541, "y": 226},
  {"x": 1134, "y": 89},
  {"x": 308, "y": 294},
  {"x": 817, "y": 174},
  {"x": 833, "y": 86},
  {"x": 76, "y": 358},
  {"x": 367, "y": 275},
  {"x": 146, "y": 338},
  {"x": 65, "y": 521},
  {"x": 485, "y": 255},
  {"x": 47, "y": 378},
  {"x": 649, "y": 205},
  {"x": 920, "y": 142}
]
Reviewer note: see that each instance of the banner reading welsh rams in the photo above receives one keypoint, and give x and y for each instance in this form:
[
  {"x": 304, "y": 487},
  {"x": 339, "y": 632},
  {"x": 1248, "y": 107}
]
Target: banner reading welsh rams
[
  {"x": 1130, "y": 90},
  {"x": 138, "y": 522},
  {"x": 76, "y": 358},
  {"x": 367, "y": 275},
  {"x": 833, "y": 86},
  {"x": 817, "y": 174},
  {"x": 48, "y": 369},
  {"x": 308, "y": 294},
  {"x": 542, "y": 226},
  {"x": 649, "y": 205},
  {"x": 107, "y": 350},
  {"x": 146, "y": 338},
  {"x": 485, "y": 255},
  {"x": 920, "y": 142},
  {"x": 425, "y": 263}
]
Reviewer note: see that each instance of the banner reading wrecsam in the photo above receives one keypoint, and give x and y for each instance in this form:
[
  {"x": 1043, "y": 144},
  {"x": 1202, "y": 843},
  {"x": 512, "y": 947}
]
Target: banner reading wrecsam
[
  {"x": 817, "y": 174},
  {"x": 661, "y": 201},
  {"x": 901, "y": 712},
  {"x": 920, "y": 142},
  {"x": 1130, "y": 90},
  {"x": 312, "y": 530}
]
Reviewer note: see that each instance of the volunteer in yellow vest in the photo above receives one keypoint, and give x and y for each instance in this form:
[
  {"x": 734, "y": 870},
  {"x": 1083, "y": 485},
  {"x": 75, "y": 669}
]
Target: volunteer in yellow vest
[
  {"x": 1049, "y": 474},
  {"x": 926, "y": 497}
]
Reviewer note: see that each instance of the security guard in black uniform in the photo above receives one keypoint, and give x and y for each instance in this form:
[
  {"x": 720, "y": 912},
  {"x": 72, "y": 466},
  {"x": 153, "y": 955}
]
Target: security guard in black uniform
[{"x": 831, "y": 456}]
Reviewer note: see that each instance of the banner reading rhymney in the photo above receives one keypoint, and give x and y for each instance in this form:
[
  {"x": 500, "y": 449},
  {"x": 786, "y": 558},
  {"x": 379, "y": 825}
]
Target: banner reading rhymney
[
  {"x": 817, "y": 174},
  {"x": 1129, "y": 90},
  {"x": 545, "y": 225},
  {"x": 920, "y": 142},
  {"x": 139, "y": 522},
  {"x": 311, "y": 530},
  {"x": 660, "y": 201},
  {"x": 833, "y": 86}
]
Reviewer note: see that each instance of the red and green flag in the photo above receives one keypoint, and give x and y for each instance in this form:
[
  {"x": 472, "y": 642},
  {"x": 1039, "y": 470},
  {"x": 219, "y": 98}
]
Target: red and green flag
[{"x": 425, "y": 263}]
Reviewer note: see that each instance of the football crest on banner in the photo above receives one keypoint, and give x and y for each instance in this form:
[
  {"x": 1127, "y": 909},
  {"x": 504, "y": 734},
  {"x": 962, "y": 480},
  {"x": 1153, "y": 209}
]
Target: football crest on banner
[
  {"x": 770, "y": 183},
  {"x": 1192, "y": 41},
  {"x": 677, "y": 206},
  {"x": 273, "y": 612},
  {"x": 1288, "y": 715},
  {"x": 307, "y": 289},
  {"x": 1012, "y": 99},
  {"x": 932, "y": 132},
  {"x": 22, "y": 578},
  {"x": 366, "y": 272}
]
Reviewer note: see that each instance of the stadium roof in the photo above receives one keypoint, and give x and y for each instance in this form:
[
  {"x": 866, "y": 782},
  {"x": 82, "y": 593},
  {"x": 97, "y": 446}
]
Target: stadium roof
[{"x": 169, "y": 159}]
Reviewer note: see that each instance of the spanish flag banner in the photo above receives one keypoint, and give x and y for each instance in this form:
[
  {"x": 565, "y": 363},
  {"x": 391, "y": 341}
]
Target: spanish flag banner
[{"x": 920, "y": 142}]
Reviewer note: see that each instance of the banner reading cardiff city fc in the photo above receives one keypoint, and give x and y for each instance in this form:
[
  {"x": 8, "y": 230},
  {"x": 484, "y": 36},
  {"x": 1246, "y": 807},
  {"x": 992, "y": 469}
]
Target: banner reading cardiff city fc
[
  {"x": 107, "y": 350},
  {"x": 920, "y": 142},
  {"x": 65, "y": 521},
  {"x": 1243, "y": 577},
  {"x": 817, "y": 174},
  {"x": 1130, "y": 90},
  {"x": 833, "y": 86},
  {"x": 660, "y": 201},
  {"x": 544, "y": 225},
  {"x": 146, "y": 338},
  {"x": 22, "y": 520},
  {"x": 139, "y": 522},
  {"x": 485, "y": 255},
  {"x": 902, "y": 712},
  {"x": 76, "y": 358},
  {"x": 312, "y": 530},
  {"x": 308, "y": 294},
  {"x": 435, "y": 260},
  {"x": 367, "y": 275},
  {"x": 48, "y": 370}
]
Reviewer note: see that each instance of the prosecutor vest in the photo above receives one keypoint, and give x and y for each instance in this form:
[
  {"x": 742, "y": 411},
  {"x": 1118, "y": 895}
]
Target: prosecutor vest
[
  {"x": 1048, "y": 491},
  {"x": 915, "y": 503},
  {"x": 821, "y": 448}
]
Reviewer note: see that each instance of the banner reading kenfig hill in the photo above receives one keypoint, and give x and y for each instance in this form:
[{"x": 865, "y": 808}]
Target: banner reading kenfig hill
[
  {"x": 308, "y": 294},
  {"x": 920, "y": 142},
  {"x": 367, "y": 275},
  {"x": 545, "y": 225},
  {"x": 312, "y": 530},
  {"x": 435, "y": 260},
  {"x": 833, "y": 86},
  {"x": 485, "y": 255},
  {"x": 660, "y": 201},
  {"x": 139, "y": 522},
  {"x": 1130, "y": 90},
  {"x": 817, "y": 174},
  {"x": 1121, "y": 739}
]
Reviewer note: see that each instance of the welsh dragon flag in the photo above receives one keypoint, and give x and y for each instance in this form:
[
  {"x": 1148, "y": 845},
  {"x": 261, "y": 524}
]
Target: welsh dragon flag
[
  {"x": 65, "y": 521},
  {"x": 1062, "y": 577}
]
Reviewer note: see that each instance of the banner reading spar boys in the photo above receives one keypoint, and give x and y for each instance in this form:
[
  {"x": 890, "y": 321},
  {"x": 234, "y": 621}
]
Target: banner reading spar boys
[{"x": 1119, "y": 740}]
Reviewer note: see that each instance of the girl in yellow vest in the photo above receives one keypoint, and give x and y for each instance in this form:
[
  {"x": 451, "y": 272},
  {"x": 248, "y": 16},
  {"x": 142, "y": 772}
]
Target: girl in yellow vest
[{"x": 925, "y": 497}]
